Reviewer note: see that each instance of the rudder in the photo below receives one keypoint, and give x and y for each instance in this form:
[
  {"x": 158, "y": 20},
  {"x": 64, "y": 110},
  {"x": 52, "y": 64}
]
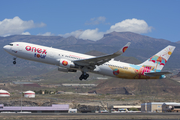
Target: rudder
[{"x": 157, "y": 62}]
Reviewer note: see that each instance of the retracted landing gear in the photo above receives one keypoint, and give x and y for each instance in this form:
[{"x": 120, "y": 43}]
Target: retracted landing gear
[
  {"x": 84, "y": 76},
  {"x": 14, "y": 62}
]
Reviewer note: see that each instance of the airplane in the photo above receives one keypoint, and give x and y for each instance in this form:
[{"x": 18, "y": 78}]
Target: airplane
[{"x": 68, "y": 61}]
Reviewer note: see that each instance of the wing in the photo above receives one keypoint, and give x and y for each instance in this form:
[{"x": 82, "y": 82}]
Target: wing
[
  {"x": 91, "y": 62},
  {"x": 151, "y": 74}
]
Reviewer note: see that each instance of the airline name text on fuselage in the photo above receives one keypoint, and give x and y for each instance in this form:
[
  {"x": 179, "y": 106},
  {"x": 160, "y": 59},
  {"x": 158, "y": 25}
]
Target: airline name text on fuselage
[{"x": 34, "y": 49}]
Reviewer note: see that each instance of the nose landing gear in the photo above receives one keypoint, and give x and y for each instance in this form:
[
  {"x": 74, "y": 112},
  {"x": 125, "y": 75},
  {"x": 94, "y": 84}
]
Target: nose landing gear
[{"x": 14, "y": 62}]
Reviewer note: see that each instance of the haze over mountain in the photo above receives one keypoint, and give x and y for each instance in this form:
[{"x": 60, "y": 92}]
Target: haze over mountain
[{"x": 142, "y": 47}]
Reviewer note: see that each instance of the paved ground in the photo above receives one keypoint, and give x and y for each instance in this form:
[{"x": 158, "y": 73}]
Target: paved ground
[{"x": 58, "y": 116}]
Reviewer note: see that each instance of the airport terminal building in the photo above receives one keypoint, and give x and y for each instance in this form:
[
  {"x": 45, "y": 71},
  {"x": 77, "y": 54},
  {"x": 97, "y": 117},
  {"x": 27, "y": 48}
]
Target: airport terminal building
[
  {"x": 160, "y": 107},
  {"x": 55, "y": 108}
]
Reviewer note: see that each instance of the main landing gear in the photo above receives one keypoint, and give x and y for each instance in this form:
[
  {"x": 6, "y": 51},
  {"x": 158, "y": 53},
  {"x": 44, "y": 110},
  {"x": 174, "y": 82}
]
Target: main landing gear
[
  {"x": 14, "y": 62},
  {"x": 84, "y": 76}
]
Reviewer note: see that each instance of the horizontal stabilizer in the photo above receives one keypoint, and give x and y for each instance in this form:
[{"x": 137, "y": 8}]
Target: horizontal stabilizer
[{"x": 151, "y": 74}]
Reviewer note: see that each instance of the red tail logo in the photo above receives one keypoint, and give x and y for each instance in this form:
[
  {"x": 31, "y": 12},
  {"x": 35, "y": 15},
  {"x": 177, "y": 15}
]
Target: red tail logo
[{"x": 124, "y": 48}]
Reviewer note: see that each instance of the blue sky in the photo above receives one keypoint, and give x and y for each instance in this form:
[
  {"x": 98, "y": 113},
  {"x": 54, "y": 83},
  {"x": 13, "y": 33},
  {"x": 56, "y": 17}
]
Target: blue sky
[{"x": 91, "y": 19}]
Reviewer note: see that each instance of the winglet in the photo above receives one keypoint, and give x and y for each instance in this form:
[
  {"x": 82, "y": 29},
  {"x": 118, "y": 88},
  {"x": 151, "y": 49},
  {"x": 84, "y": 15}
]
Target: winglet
[
  {"x": 122, "y": 50},
  {"x": 125, "y": 47}
]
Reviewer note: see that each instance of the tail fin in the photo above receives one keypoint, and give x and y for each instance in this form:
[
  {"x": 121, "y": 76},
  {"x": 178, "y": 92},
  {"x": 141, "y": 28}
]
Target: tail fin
[{"x": 157, "y": 62}]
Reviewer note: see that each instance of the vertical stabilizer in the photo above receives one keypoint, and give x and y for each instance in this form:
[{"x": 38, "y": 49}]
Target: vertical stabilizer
[{"x": 157, "y": 62}]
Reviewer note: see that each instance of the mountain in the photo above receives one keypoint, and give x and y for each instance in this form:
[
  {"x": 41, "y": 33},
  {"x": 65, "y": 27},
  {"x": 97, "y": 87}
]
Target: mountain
[
  {"x": 178, "y": 42},
  {"x": 158, "y": 87},
  {"x": 176, "y": 76},
  {"x": 141, "y": 48}
]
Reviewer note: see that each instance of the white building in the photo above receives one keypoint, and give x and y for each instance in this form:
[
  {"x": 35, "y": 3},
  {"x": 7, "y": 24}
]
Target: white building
[
  {"x": 124, "y": 108},
  {"x": 4, "y": 93},
  {"x": 154, "y": 106},
  {"x": 171, "y": 107},
  {"x": 29, "y": 94},
  {"x": 144, "y": 107},
  {"x": 72, "y": 110}
]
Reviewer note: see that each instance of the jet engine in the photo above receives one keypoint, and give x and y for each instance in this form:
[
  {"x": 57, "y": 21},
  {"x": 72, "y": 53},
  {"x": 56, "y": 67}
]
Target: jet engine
[
  {"x": 66, "y": 70},
  {"x": 66, "y": 63}
]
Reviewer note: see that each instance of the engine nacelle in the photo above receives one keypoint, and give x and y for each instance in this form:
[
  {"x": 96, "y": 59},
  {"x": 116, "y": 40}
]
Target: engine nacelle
[
  {"x": 66, "y": 70},
  {"x": 66, "y": 63}
]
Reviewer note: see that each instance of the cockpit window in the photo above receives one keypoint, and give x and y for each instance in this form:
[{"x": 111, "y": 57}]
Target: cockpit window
[{"x": 11, "y": 44}]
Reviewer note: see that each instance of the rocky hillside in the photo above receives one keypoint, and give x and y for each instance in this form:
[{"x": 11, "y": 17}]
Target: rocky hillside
[{"x": 159, "y": 87}]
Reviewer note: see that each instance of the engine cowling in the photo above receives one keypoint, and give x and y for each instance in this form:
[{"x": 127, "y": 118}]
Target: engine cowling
[
  {"x": 66, "y": 70},
  {"x": 66, "y": 63}
]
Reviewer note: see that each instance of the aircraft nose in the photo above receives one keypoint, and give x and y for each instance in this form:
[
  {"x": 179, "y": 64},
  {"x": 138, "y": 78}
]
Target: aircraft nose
[{"x": 6, "y": 48}]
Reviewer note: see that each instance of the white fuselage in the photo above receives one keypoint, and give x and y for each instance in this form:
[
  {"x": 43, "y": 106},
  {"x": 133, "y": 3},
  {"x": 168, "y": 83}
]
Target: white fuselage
[{"x": 53, "y": 56}]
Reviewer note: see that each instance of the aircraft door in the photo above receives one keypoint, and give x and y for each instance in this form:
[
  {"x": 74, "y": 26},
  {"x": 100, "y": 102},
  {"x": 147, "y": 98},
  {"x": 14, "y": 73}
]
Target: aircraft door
[
  {"x": 16, "y": 47},
  {"x": 50, "y": 53},
  {"x": 52, "y": 56}
]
